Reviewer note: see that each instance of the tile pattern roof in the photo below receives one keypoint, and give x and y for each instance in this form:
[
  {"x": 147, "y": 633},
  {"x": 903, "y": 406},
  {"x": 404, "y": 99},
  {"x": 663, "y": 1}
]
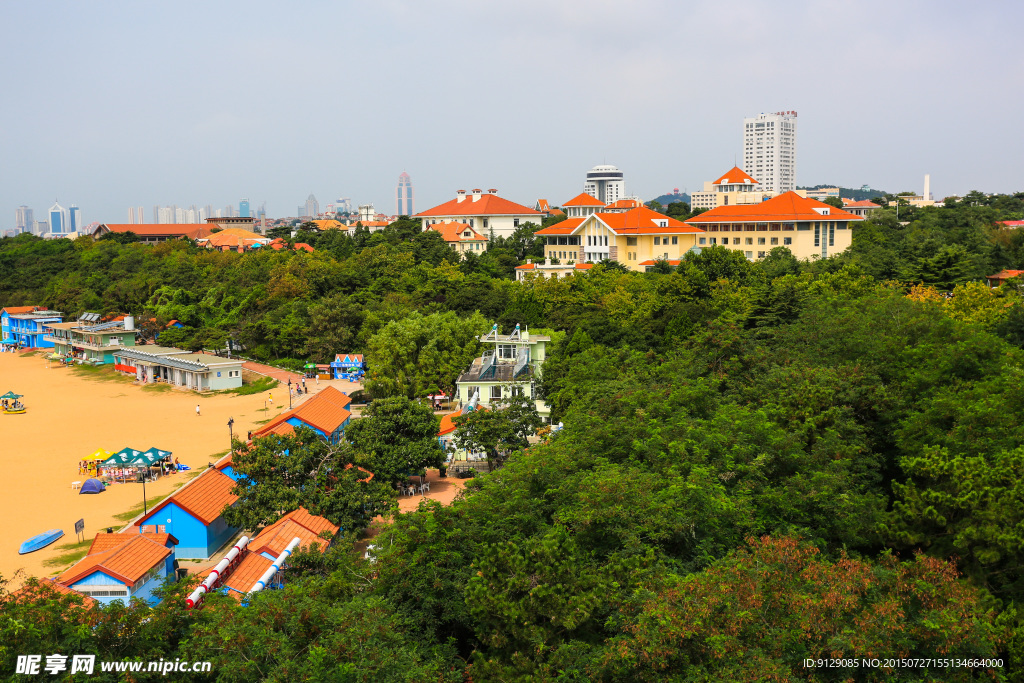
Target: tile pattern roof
[
  {"x": 15, "y": 310},
  {"x": 127, "y": 562},
  {"x": 583, "y": 199},
  {"x": 204, "y": 497},
  {"x": 651, "y": 262},
  {"x": 785, "y": 207},
  {"x": 562, "y": 227},
  {"x": 314, "y": 523},
  {"x": 456, "y": 232},
  {"x": 487, "y": 205},
  {"x": 623, "y": 204},
  {"x": 105, "y": 542},
  {"x": 276, "y": 537},
  {"x": 233, "y": 237},
  {"x": 644, "y": 221},
  {"x": 326, "y": 411},
  {"x": 1005, "y": 275},
  {"x": 330, "y": 225},
  {"x": 864, "y": 203},
  {"x": 247, "y": 573},
  {"x": 190, "y": 230},
  {"x": 736, "y": 176},
  {"x": 51, "y": 583}
]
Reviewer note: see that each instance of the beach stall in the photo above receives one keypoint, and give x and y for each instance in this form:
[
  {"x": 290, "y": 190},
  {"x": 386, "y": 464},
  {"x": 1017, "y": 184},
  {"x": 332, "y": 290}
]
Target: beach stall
[
  {"x": 348, "y": 366},
  {"x": 92, "y": 464},
  {"x": 12, "y": 404},
  {"x": 118, "y": 466},
  {"x": 193, "y": 515}
]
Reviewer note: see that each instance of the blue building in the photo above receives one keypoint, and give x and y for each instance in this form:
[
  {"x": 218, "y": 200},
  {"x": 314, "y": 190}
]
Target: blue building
[
  {"x": 22, "y": 326},
  {"x": 348, "y": 366},
  {"x": 74, "y": 219},
  {"x": 58, "y": 219},
  {"x": 243, "y": 208},
  {"x": 123, "y": 566},
  {"x": 193, "y": 515}
]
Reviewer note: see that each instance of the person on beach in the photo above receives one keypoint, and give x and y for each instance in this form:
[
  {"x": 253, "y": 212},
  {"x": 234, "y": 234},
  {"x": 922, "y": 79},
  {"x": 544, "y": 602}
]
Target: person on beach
[
  {"x": 197, "y": 410},
  {"x": 270, "y": 398}
]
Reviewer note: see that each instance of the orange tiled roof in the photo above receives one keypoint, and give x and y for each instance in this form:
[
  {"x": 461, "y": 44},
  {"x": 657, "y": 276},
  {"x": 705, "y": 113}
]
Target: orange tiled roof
[
  {"x": 583, "y": 199},
  {"x": 864, "y": 203},
  {"x": 276, "y": 537},
  {"x": 785, "y": 207},
  {"x": 624, "y": 204},
  {"x": 304, "y": 247},
  {"x": 455, "y": 232},
  {"x": 735, "y": 176},
  {"x": 15, "y": 310},
  {"x": 329, "y": 225},
  {"x": 525, "y": 266},
  {"x": 584, "y": 266},
  {"x": 232, "y": 237},
  {"x": 651, "y": 262},
  {"x": 127, "y": 562},
  {"x": 644, "y": 221},
  {"x": 204, "y": 497},
  {"x": 447, "y": 425},
  {"x": 487, "y": 205},
  {"x": 557, "y": 212},
  {"x": 543, "y": 206},
  {"x": 104, "y": 542},
  {"x": 326, "y": 411},
  {"x": 314, "y": 523},
  {"x": 1005, "y": 275},
  {"x": 190, "y": 230},
  {"x": 562, "y": 227},
  {"x": 248, "y": 572}
]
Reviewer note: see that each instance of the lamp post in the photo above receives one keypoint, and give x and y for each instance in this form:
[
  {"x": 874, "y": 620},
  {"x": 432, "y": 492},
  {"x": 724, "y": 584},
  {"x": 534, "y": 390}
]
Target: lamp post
[
  {"x": 231, "y": 433},
  {"x": 145, "y": 509},
  {"x": 289, "y": 393}
]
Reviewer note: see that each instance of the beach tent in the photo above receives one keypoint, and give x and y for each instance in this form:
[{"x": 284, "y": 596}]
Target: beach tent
[
  {"x": 10, "y": 395},
  {"x": 158, "y": 454},
  {"x": 92, "y": 486},
  {"x": 122, "y": 457},
  {"x": 100, "y": 454}
]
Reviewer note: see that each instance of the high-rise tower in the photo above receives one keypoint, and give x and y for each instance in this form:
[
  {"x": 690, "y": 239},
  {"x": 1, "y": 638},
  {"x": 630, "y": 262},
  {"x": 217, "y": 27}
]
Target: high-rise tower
[
  {"x": 605, "y": 183},
  {"x": 312, "y": 207},
  {"x": 24, "y": 219},
  {"x": 404, "y": 196},
  {"x": 58, "y": 218},
  {"x": 769, "y": 150},
  {"x": 243, "y": 208},
  {"x": 74, "y": 219}
]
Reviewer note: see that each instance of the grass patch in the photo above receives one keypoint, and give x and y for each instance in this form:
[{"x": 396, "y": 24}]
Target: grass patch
[
  {"x": 156, "y": 388},
  {"x": 27, "y": 354},
  {"x": 101, "y": 373},
  {"x": 137, "y": 509},
  {"x": 257, "y": 387},
  {"x": 73, "y": 552},
  {"x": 262, "y": 422}
]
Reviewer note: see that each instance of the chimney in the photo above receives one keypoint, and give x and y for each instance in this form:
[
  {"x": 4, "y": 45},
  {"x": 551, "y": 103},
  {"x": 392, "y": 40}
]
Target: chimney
[
  {"x": 529, "y": 261},
  {"x": 492, "y": 191},
  {"x": 927, "y": 187},
  {"x": 460, "y": 196},
  {"x": 476, "y": 195}
]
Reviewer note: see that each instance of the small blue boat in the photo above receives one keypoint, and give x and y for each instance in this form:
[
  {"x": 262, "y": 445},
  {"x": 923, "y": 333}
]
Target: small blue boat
[{"x": 41, "y": 541}]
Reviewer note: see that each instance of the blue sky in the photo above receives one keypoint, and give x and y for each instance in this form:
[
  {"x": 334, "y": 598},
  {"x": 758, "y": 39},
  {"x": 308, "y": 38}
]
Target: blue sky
[{"x": 111, "y": 105}]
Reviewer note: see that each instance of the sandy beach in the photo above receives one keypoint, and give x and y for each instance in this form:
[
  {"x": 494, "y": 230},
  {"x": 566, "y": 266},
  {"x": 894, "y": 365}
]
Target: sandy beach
[{"x": 69, "y": 417}]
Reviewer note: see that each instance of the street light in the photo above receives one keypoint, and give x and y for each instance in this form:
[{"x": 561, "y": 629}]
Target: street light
[{"x": 231, "y": 434}]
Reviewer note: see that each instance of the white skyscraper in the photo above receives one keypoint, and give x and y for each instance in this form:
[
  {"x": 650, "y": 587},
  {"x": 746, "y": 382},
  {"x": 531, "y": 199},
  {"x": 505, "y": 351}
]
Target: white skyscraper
[
  {"x": 58, "y": 218},
  {"x": 605, "y": 183},
  {"x": 769, "y": 150},
  {"x": 24, "y": 219}
]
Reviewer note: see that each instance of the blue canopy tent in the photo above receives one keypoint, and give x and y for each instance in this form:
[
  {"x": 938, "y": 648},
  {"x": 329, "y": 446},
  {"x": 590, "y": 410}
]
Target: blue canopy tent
[{"x": 92, "y": 486}]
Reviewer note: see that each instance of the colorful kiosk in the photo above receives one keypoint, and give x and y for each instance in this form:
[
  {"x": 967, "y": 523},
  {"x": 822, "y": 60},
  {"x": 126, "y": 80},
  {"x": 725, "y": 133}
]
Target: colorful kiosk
[{"x": 348, "y": 366}]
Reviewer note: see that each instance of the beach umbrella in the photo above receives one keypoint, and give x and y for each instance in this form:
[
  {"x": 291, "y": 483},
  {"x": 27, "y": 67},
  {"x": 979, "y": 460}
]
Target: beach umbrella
[
  {"x": 100, "y": 454},
  {"x": 158, "y": 454},
  {"x": 10, "y": 394},
  {"x": 92, "y": 486}
]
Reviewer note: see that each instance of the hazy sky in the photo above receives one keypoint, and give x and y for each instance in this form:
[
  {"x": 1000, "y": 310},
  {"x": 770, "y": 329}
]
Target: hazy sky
[{"x": 109, "y": 105}]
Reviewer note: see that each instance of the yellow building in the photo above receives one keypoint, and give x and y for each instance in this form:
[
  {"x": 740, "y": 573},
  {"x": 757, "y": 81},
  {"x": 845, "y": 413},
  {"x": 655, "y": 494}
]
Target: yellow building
[
  {"x": 806, "y": 227},
  {"x": 734, "y": 187},
  {"x": 629, "y": 237}
]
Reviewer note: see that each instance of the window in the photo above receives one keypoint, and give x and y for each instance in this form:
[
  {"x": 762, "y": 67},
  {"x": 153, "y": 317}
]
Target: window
[
  {"x": 495, "y": 393},
  {"x": 515, "y": 222},
  {"x": 657, "y": 241},
  {"x": 735, "y": 240},
  {"x": 675, "y": 240},
  {"x": 831, "y": 235},
  {"x": 760, "y": 254},
  {"x": 749, "y": 240},
  {"x": 817, "y": 235},
  {"x": 714, "y": 240},
  {"x": 485, "y": 225},
  {"x": 506, "y": 351},
  {"x": 749, "y": 254},
  {"x": 630, "y": 241},
  {"x": 787, "y": 240},
  {"x": 760, "y": 240},
  {"x": 775, "y": 240},
  {"x": 702, "y": 240}
]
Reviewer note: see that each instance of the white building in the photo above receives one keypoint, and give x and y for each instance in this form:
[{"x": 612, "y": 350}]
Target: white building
[
  {"x": 734, "y": 187},
  {"x": 485, "y": 212},
  {"x": 769, "y": 150},
  {"x": 605, "y": 183}
]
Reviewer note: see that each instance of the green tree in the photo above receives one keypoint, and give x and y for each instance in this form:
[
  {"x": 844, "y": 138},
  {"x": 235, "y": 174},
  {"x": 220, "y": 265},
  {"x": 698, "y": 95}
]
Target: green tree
[
  {"x": 422, "y": 354},
  {"x": 278, "y": 474},
  {"x": 396, "y": 437},
  {"x": 833, "y": 201},
  {"x": 500, "y": 430}
]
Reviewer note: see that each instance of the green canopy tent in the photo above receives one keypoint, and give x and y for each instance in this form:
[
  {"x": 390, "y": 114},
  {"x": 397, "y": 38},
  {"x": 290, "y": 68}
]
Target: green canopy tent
[
  {"x": 10, "y": 395},
  {"x": 122, "y": 458},
  {"x": 158, "y": 454}
]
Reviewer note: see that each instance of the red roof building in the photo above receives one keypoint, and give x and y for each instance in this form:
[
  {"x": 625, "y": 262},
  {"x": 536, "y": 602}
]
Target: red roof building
[
  {"x": 461, "y": 237},
  {"x": 862, "y": 208},
  {"x": 194, "y": 514},
  {"x": 326, "y": 413},
  {"x": 123, "y": 566},
  {"x": 156, "y": 232},
  {"x": 1002, "y": 276},
  {"x": 485, "y": 212}
]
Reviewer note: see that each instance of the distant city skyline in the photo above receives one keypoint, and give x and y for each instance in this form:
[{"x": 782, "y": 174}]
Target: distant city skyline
[{"x": 868, "y": 79}]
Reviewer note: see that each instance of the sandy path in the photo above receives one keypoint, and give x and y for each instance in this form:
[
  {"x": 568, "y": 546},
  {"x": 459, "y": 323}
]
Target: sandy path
[{"x": 68, "y": 418}]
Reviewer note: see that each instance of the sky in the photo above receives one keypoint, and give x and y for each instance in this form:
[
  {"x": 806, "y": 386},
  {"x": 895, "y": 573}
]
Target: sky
[{"x": 117, "y": 104}]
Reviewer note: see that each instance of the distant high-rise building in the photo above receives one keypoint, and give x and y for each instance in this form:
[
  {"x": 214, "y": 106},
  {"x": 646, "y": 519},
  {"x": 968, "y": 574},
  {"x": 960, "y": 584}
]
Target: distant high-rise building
[
  {"x": 58, "y": 218},
  {"x": 23, "y": 219},
  {"x": 75, "y": 219},
  {"x": 40, "y": 227},
  {"x": 243, "y": 208},
  {"x": 312, "y": 207},
  {"x": 261, "y": 212},
  {"x": 769, "y": 150},
  {"x": 404, "y": 196},
  {"x": 343, "y": 205},
  {"x": 605, "y": 183},
  {"x": 139, "y": 215},
  {"x": 131, "y": 215}
]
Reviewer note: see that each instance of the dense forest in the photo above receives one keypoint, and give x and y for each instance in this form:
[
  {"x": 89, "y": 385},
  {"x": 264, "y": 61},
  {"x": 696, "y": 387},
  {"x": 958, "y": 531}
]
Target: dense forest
[{"x": 761, "y": 463}]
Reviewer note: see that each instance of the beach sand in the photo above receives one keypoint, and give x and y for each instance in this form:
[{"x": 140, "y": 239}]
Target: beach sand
[{"x": 70, "y": 416}]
